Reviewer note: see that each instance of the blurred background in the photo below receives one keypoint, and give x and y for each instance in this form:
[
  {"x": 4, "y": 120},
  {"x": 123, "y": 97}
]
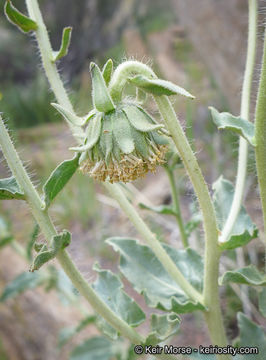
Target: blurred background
[{"x": 199, "y": 45}]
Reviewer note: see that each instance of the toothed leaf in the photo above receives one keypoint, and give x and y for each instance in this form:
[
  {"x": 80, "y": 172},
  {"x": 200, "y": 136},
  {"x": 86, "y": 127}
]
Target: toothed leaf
[
  {"x": 10, "y": 190},
  {"x": 59, "y": 178},
  {"x": 159, "y": 87},
  {"x": 140, "y": 120},
  {"x": 101, "y": 99},
  {"x": 248, "y": 275},
  {"x": 107, "y": 71},
  {"x": 162, "y": 327},
  {"x": 110, "y": 289},
  {"x": 142, "y": 268},
  {"x": 244, "y": 229},
  {"x": 240, "y": 126},
  {"x": 24, "y": 23},
  {"x": 122, "y": 133},
  {"x": 65, "y": 42}
]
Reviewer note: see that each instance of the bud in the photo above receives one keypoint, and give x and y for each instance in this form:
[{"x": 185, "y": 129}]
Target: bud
[{"x": 122, "y": 142}]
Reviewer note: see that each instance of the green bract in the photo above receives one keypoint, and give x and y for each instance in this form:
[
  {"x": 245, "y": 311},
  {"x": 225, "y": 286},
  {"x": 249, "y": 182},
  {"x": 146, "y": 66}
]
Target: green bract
[{"x": 121, "y": 142}]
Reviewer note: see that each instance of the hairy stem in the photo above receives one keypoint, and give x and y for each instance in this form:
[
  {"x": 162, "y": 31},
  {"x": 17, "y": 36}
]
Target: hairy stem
[
  {"x": 49, "y": 231},
  {"x": 47, "y": 61},
  {"x": 117, "y": 193},
  {"x": 244, "y": 113},
  {"x": 260, "y": 136},
  {"x": 212, "y": 254},
  {"x": 176, "y": 204}
]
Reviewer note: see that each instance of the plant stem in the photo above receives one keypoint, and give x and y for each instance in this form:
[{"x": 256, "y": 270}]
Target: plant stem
[
  {"x": 117, "y": 193},
  {"x": 212, "y": 254},
  {"x": 260, "y": 137},
  {"x": 49, "y": 66},
  {"x": 244, "y": 113},
  {"x": 49, "y": 231},
  {"x": 176, "y": 204}
]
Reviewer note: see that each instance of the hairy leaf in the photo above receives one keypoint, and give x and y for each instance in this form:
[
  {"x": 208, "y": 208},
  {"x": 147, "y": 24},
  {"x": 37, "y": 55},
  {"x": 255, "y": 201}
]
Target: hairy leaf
[
  {"x": 248, "y": 275},
  {"x": 141, "y": 267},
  {"x": 109, "y": 288},
  {"x": 10, "y": 190},
  {"x": 106, "y": 139},
  {"x": 159, "y": 87},
  {"x": 251, "y": 335},
  {"x": 59, "y": 178},
  {"x": 96, "y": 348},
  {"x": 262, "y": 302},
  {"x": 244, "y": 229},
  {"x": 139, "y": 119},
  {"x": 69, "y": 116},
  {"x": 65, "y": 42},
  {"x": 240, "y": 126},
  {"x": 162, "y": 327},
  {"x": 107, "y": 71},
  {"x": 93, "y": 132},
  {"x": 21, "y": 283},
  {"x": 23, "y": 22},
  {"x": 59, "y": 242},
  {"x": 122, "y": 133},
  {"x": 102, "y": 101}
]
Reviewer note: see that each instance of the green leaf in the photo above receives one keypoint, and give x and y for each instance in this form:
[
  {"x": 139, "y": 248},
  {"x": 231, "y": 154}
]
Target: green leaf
[
  {"x": 109, "y": 287},
  {"x": 5, "y": 236},
  {"x": 23, "y": 22},
  {"x": 10, "y": 190},
  {"x": 251, "y": 335},
  {"x": 161, "y": 209},
  {"x": 141, "y": 267},
  {"x": 59, "y": 242},
  {"x": 122, "y": 133},
  {"x": 21, "y": 283},
  {"x": 262, "y": 302},
  {"x": 139, "y": 119},
  {"x": 107, "y": 71},
  {"x": 68, "y": 333},
  {"x": 102, "y": 101},
  {"x": 65, "y": 42},
  {"x": 93, "y": 132},
  {"x": 159, "y": 87},
  {"x": 59, "y": 178},
  {"x": 32, "y": 241},
  {"x": 248, "y": 275},
  {"x": 244, "y": 229},
  {"x": 96, "y": 348},
  {"x": 140, "y": 142},
  {"x": 192, "y": 224},
  {"x": 71, "y": 118},
  {"x": 106, "y": 139},
  {"x": 240, "y": 126},
  {"x": 162, "y": 327}
]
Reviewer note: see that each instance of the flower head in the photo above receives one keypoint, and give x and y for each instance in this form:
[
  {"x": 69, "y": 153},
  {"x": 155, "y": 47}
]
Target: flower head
[{"x": 121, "y": 142}]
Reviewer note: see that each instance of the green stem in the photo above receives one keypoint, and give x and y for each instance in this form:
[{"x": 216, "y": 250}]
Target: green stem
[
  {"x": 244, "y": 113},
  {"x": 176, "y": 204},
  {"x": 212, "y": 254},
  {"x": 260, "y": 136},
  {"x": 117, "y": 193},
  {"x": 48, "y": 64},
  {"x": 49, "y": 231}
]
